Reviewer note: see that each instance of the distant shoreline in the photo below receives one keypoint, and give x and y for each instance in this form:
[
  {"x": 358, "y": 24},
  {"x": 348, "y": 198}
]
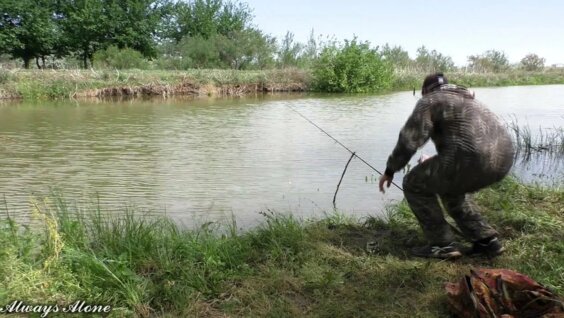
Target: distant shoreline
[{"x": 75, "y": 84}]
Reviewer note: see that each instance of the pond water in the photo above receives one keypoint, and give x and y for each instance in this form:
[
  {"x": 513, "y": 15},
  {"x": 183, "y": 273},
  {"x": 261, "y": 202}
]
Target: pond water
[{"x": 201, "y": 160}]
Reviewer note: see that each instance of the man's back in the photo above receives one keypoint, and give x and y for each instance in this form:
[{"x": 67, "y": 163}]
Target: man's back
[{"x": 465, "y": 132}]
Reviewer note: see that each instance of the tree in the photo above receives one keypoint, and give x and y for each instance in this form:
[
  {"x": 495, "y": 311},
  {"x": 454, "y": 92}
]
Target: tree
[
  {"x": 93, "y": 25},
  {"x": 309, "y": 51},
  {"x": 28, "y": 29},
  {"x": 206, "y": 18},
  {"x": 253, "y": 50},
  {"x": 397, "y": 56},
  {"x": 233, "y": 17},
  {"x": 246, "y": 49},
  {"x": 532, "y": 62},
  {"x": 134, "y": 24},
  {"x": 87, "y": 25},
  {"x": 215, "y": 34},
  {"x": 201, "y": 52},
  {"x": 489, "y": 61},
  {"x": 10, "y": 22},
  {"x": 289, "y": 51},
  {"x": 432, "y": 61}
]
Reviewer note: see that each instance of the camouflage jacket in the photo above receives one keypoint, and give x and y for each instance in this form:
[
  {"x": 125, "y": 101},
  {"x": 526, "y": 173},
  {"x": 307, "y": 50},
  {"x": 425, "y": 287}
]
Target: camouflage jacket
[{"x": 465, "y": 133}]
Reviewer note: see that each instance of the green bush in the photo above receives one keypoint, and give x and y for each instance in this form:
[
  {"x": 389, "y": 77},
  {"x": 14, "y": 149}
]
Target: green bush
[
  {"x": 352, "y": 68},
  {"x": 126, "y": 58}
]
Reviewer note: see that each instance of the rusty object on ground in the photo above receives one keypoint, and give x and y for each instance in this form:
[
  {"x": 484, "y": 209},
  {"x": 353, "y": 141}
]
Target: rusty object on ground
[{"x": 502, "y": 293}]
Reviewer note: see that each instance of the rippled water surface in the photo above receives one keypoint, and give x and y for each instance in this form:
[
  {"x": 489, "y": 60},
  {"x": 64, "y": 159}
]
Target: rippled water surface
[{"x": 209, "y": 159}]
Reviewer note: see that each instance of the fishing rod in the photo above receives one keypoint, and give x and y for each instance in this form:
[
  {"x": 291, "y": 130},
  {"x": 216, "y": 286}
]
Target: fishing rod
[
  {"x": 353, "y": 154},
  {"x": 340, "y": 143}
]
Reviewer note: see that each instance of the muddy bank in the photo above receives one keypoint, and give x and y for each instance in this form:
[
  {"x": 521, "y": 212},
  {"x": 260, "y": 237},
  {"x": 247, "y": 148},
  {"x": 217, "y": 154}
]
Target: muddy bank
[
  {"x": 7, "y": 95},
  {"x": 189, "y": 89}
]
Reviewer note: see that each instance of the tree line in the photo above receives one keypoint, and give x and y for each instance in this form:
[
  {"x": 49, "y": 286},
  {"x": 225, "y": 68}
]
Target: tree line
[
  {"x": 36, "y": 29},
  {"x": 169, "y": 34}
]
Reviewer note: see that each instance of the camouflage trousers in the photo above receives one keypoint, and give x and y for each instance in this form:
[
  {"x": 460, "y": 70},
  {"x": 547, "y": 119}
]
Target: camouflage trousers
[{"x": 428, "y": 181}]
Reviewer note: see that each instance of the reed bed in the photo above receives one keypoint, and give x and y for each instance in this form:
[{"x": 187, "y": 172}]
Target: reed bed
[{"x": 529, "y": 142}]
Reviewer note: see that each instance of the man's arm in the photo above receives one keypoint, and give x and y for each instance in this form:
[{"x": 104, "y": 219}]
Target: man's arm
[{"x": 416, "y": 131}]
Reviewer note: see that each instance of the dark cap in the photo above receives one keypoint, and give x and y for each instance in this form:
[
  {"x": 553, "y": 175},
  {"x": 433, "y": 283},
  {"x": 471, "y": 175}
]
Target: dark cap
[{"x": 432, "y": 82}]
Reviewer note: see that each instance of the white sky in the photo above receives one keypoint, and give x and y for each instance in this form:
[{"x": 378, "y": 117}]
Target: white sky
[{"x": 455, "y": 28}]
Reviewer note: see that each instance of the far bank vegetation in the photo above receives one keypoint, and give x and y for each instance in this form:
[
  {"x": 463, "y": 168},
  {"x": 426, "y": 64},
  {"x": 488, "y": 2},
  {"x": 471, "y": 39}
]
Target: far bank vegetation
[{"x": 211, "y": 35}]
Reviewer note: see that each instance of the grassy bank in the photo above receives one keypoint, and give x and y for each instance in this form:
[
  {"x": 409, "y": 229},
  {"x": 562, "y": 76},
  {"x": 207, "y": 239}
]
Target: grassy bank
[
  {"x": 53, "y": 84},
  {"x": 284, "y": 268},
  {"x": 405, "y": 80}
]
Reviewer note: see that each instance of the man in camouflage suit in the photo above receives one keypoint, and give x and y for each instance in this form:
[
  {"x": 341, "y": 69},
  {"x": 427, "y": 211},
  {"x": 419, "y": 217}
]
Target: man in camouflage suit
[{"x": 474, "y": 151}]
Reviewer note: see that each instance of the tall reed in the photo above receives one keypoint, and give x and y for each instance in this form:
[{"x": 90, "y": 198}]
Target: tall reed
[{"x": 548, "y": 141}]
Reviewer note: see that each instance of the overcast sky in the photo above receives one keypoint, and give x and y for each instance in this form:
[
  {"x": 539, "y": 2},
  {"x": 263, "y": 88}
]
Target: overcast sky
[{"x": 454, "y": 28}]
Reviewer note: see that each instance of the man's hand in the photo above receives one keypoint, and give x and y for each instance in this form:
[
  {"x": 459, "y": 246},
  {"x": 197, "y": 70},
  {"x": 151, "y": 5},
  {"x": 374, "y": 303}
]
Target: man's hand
[
  {"x": 385, "y": 179},
  {"x": 423, "y": 158}
]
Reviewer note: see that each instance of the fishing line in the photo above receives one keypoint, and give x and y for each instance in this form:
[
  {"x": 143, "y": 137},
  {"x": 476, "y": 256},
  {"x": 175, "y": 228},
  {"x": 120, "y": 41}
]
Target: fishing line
[{"x": 340, "y": 143}]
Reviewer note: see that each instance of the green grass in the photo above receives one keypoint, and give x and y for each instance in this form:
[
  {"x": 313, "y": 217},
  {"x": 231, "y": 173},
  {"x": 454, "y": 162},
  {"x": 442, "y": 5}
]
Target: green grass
[
  {"x": 406, "y": 80},
  {"x": 285, "y": 267}
]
